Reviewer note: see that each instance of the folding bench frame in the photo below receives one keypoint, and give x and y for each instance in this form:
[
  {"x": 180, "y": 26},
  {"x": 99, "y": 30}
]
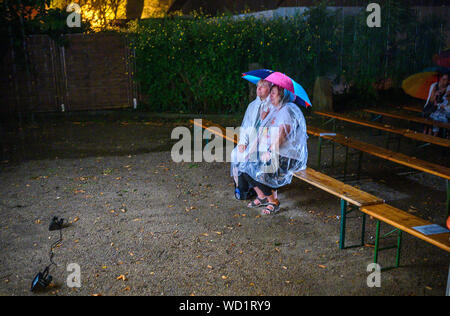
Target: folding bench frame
[{"x": 347, "y": 209}]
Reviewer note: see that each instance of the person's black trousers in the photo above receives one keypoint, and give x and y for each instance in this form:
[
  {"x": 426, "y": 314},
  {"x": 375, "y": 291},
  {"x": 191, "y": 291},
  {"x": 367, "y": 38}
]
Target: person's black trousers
[{"x": 253, "y": 183}]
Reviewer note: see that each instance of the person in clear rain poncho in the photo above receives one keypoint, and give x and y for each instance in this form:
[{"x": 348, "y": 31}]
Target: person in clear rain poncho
[
  {"x": 275, "y": 150},
  {"x": 256, "y": 111}
]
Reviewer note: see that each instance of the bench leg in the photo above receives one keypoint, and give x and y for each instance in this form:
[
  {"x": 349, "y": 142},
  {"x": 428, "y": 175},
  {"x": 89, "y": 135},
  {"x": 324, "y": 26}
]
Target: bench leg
[
  {"x": 375, "y": 118},
  {"x": 344, "y": 213},
  {"x": 343, "y": 224},
  {"x": 346, "y": 162},
  {"x": 332, "y": 145},
  {"x": 398, "y": 144},
  {"x": 378, "y": 249},
  {"x": 360, "y": 164},
  {"x": 388, "y": 139},
  {"x": 447, "y": 293},
  {"x": 319, "y": 153}
]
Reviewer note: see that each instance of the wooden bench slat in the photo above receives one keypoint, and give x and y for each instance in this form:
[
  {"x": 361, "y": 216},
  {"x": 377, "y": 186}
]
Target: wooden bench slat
[
  {"x": 337, "y": 188},
  {"x": 413, "y": 109},
  {"x": 207, "y": 125},
  {"x": 388, "y": 128},
  {"x": 405, "y": 222},
  {"x": 421, "y": 120},
  {"x": 411, "y": 162},
  {"x": 427, "y": 138},
  {"x": 346, "y": 118}
]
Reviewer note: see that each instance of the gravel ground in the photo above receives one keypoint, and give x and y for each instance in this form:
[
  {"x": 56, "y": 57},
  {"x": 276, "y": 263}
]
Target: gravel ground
[{"x": 140, "y": 224}]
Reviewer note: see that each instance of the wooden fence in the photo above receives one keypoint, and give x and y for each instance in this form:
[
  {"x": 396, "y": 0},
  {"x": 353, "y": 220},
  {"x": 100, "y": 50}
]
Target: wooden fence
[{"x": 91, "y": 72}]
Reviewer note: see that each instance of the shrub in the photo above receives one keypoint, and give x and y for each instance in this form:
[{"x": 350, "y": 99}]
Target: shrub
[{"x": 194, "y": 64}]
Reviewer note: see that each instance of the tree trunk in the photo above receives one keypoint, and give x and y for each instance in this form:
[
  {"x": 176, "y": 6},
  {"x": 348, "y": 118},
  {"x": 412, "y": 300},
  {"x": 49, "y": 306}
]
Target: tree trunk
[{"x": 134, "y": 9}]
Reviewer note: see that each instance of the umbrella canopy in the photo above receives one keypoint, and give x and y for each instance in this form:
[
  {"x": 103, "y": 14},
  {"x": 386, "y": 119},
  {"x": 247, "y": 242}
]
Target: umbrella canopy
[
  {"x": 299, "y": 94},
  {"x": 418, "y": 85}
]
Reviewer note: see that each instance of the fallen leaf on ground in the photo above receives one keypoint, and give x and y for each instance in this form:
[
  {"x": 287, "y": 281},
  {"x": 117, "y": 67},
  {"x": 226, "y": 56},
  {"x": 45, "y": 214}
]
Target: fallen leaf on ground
[{"x": 121, "y": 277}]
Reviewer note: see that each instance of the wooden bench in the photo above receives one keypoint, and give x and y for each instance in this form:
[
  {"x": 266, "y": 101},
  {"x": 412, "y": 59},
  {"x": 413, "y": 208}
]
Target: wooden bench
[
  {"x": 403, "y": 222},
  {"x": 347, "y": 194},
  {"x": 380, "y": 152},
  {"x": 413, "y": 109},
  {"x": 411, "y": 162},
  {"x": 354, "y": 199},
  {"x": 388, "y": 128},
  {"x": 420, "y": 120},
  {"x": 376, "y": 208}
]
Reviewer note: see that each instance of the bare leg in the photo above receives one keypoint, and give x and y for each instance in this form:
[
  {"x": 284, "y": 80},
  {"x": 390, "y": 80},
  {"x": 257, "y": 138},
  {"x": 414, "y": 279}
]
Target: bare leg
[{"x": 275, "y": 194}]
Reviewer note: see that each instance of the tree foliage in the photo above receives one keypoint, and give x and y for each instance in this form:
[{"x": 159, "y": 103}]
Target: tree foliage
[{"x": 195, "y": 64}]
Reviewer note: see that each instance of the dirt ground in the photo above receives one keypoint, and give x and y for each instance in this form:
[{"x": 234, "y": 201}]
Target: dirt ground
[{"x": 140, "y": 224}]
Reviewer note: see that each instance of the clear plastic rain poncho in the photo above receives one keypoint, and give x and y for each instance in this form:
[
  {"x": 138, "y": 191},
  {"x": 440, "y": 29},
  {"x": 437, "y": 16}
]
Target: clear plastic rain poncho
[{"x": 276, "y": 148}]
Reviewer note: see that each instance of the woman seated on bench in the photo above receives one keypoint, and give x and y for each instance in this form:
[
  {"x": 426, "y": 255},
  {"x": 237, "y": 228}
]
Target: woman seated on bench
[
  {"x": 442, "y": 114},
  {"x": 278, "y": 150},
  {"x": 435, "y": 97}
]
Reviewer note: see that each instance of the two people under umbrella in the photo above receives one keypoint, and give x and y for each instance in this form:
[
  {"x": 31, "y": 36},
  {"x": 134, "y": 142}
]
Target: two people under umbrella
[{"x": 272, "y": 145}]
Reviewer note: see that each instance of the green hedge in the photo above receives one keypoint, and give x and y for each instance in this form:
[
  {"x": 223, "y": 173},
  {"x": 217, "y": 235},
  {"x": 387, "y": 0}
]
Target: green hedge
[{"x": 194, "y": 65}]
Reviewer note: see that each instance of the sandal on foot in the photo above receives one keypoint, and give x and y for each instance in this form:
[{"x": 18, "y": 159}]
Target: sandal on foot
[
  {"x": 271, "y": 209},
  {"x": 262, "y": 202}
]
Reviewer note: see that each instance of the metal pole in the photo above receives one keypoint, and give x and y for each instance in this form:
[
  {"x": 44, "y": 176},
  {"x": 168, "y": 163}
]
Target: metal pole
[
  {"x": 377, "y": 242},
  {"x": 399, "y": 245},
  {"x": 319, "y": 149},
  {"x": 363, "y": 231},
  {"x": 346, "y": 161},
  {"x": 448, "y": 283},
  {"x": 343, "y": 222}
]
